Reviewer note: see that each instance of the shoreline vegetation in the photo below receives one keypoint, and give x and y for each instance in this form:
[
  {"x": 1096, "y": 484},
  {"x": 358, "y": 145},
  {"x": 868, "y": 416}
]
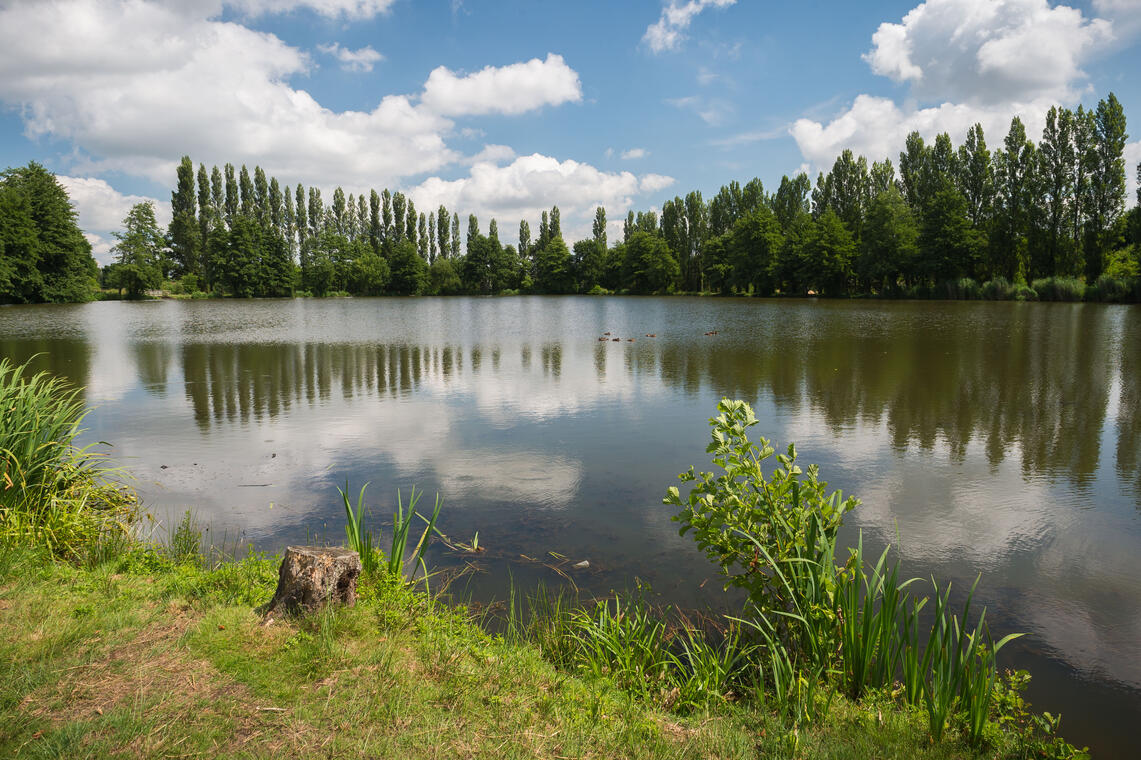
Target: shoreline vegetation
[
  {"x": 1026, "y": 221},
  {"x": 113, "y": 643}
]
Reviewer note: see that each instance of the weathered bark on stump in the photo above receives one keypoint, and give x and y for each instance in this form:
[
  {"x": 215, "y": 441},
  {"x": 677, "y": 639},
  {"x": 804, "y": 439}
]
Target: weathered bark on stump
[{"x": 313, "y": 576}]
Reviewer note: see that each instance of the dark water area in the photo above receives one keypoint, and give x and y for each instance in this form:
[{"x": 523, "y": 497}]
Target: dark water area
[{"x": 994, "y": 438}]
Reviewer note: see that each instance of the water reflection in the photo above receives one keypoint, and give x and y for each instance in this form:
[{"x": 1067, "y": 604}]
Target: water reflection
[{"x": 1031, "y": 382}]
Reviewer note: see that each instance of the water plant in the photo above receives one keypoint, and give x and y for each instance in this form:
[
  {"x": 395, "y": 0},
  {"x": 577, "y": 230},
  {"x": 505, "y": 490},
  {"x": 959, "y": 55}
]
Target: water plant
[
  {"x": 53, "y": 493},
  {"x": 359, "y": 539}
]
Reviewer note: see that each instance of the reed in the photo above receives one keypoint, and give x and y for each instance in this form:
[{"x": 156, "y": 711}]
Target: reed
[
  {"x": 52, "y": 492},
  {"x": 359, "y": 539},
  {"x": 401, "y": 523},
  {"x": 627, "y": 643},
  {"x": 869, "y": 608}
]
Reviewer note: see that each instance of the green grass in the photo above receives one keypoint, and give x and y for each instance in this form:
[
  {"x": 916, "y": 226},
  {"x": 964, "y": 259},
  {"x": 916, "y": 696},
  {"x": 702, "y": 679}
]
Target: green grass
[{"x": 141, "y": 656}]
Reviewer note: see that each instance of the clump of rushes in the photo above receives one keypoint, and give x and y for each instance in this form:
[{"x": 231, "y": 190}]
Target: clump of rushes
[
  {"x": 360, "y": 540},
  {"x": 53, "y": 494}
]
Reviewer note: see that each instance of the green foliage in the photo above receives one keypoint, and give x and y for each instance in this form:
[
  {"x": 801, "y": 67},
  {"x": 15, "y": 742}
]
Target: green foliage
[
  {"x": 43, "y": 254},
  {"x": 821, "y": 625},
  {"x": 359, "y": 539},
  {"x": 553, "y": 268},
  {"x": 184, "y": 545},
  {"x": 650, "y": 266},
  {"x": 738, "y": 512},
  {"x": 1110, "y": 290},
  {"x": 139, "y": 252},
  {"x": 1059, "y": 289},
  {"x": 52, "y": 493}
]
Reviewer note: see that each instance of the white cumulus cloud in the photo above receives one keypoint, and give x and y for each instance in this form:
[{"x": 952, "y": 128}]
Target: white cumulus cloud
[
  {"x": 968, "y": 61},
  {"x": 512, "y": 89},
  {"x": 634, "y": 154},
  {"x": 530, "y": 184},
  {"x": 353, "y": 60},
  {"x": 668, "y": 31}
]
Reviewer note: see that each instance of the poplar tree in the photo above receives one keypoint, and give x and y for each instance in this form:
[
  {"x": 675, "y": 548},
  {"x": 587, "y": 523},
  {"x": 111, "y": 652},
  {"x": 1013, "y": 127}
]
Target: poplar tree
[
  {"x": 233, "y": 202},
  {"x": 975, "y": 175},
  {"x": 339, "y": 217},
  {"x": 1107, "y": 181},
  {"x": 246, "y": 192},
  {"x": 455, "y": 234},
  {"x": 598, "y": 229},
  {"x": 398, "y": 203},
  {"x": 430, "y": 233},
  {"x": 1056, "y": 158},
  {"x": 261, "y": 196},
  {"x": 185, "y": 233},
  {"x": 524, "y": 238},
  {"x": 442, "y": 232},
  {"x": 364, "y": 221},
  {"x": 422, "y": 239},
  {"x": 375, "y": 231},
  {"x": 302, "y": 216},
  {"x": 386, "y": 215},
  {"x": 204, "y": 211},
  {"x": 410, "y": 221},
  {"x": 276, "y": 212}
]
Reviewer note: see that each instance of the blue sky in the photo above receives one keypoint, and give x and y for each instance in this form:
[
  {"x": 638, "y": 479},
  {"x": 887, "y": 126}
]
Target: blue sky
[{"x": 504, "y": 108}]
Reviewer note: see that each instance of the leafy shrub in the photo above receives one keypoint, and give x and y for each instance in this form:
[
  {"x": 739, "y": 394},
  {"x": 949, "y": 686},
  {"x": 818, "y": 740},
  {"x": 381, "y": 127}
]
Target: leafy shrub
[
  {"x": 1059, "y": 289},
  {"x": 998, "y": 289},
  {"x": 1109, "y": 290},
  {"x": 964, "y": 289},
  {"x": 739, "y": 516}
]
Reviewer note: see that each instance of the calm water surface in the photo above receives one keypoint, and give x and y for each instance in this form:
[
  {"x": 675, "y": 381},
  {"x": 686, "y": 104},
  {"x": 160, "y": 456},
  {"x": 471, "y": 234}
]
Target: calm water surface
[{"x": 1002, "y": 439}]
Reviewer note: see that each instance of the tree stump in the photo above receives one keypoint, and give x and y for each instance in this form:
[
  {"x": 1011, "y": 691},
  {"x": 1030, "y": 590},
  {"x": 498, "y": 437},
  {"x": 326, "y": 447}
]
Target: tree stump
[{"x": 313, "y": 576}]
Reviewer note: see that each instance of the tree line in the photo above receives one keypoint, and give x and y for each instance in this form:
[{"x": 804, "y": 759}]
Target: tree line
[{"x": 950, "y": 221}]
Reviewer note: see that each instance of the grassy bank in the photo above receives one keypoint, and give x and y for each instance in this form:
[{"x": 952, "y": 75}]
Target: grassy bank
[
  {"x": 143, "y": 656},
  {"x": 111, "y": 645}
]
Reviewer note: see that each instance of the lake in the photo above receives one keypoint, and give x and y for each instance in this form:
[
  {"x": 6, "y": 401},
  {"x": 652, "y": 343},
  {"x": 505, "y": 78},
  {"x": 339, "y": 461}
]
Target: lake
[{"x": 994, "y": 438}]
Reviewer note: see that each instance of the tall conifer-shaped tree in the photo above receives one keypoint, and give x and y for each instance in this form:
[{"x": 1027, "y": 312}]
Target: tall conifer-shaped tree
[
  {"x": 204, "y": 211},
  {"x": 598, "y": 228},
  {"x": 1056, "y": 159},
  {"x": 261, "y": 196},
  {"x": 1107, "y": 181},
  {"x": 387, "y": 220},
  {"x": 442, "y": 232},
  {"x": 302, "y": 214},
  {"x": 185, "y": 232},
  {"x": 410, "y": 221},
  {"x": 233, "y": 201},
  {"x": 375, "y": 231},
  {"x": 455, "y": 234},
  {"x": 246, "y": 192},
  {"x": 975, "y": 175},
  {"x": 398, "y": 204}
]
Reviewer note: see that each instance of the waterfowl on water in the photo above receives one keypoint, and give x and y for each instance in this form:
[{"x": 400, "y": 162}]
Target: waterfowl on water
[
  {"x": 617, "y": 339},
  {"x": 651, "y": 335},
  {"x": 606, "y": 333},
  {"x": 630, "y": 339}
]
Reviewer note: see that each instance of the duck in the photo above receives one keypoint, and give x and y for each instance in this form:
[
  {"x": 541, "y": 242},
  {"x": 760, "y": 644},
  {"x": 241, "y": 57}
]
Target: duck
[{"x": 651, "y": 335}]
